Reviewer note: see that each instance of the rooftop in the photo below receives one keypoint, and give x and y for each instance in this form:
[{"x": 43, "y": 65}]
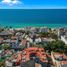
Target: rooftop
[
  {"x": 62, "y": 58},
  {"x": 5, "y": 33}
]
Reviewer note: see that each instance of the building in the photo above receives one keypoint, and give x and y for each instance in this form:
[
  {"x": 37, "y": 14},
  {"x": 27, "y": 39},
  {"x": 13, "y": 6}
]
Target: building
[
  {"x": 61, "y": 31},
  {"x": 44, "y": 29},
  {"x": 37, "y": 54},
  {"x": 5, "y": 34},
  {"x": 1, "y": 40},
  {"x": 32, "y": 53},
  {"x": 38, "y": 40},
  {"x": 64, "y": 39},
  {"x": 59, "y": 59}
]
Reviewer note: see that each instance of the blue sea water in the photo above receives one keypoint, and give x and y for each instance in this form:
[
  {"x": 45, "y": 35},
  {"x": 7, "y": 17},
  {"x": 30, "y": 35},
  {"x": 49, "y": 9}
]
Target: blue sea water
[{"x": 33, "y": 17}]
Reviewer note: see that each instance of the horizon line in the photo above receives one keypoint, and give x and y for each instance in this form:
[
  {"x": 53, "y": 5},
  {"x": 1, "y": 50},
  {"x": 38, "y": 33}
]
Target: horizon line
[{"x": 33, "y": 7}]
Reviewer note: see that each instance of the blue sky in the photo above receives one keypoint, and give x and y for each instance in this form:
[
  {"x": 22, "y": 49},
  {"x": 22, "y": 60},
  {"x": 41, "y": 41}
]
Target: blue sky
[{"x": 32, "y": 4}]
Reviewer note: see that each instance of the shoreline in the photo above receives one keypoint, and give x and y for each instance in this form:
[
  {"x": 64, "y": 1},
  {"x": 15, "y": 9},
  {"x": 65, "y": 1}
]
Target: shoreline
[{"x": 19, "y": 26}]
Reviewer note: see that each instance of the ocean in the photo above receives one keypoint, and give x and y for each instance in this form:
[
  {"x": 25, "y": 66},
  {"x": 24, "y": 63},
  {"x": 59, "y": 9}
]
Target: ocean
[{"x": 18, "y": 18}]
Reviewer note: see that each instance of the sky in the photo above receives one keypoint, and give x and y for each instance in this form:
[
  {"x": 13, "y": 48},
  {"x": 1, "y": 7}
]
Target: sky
[{"x": 33, "y": 4}]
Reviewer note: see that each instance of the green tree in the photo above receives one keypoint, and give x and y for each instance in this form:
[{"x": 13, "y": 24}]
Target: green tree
[
  {"x": 6, "y": 46},
  {"x": 22, "y": 47},
  {"x": 45, "y": 34},
  {"x": 54, "y": 36},
  {"x": 55, "y": 46},
  {"x": 65, "y": 49}
]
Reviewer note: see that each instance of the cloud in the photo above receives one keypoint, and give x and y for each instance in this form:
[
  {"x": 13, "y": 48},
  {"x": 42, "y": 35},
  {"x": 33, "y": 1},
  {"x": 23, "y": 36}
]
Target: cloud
[{"x": 10, "y": 2}]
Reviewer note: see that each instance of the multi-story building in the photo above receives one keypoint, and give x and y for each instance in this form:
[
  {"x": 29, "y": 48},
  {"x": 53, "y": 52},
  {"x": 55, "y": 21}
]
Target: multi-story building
[{"x": 64, "y": 39}]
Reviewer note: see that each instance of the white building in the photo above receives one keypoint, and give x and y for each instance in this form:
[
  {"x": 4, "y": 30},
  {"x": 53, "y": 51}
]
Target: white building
[
  {"x": 44, "y": 29},
  {"x": 8, "y": 64},
  {"x": 64, "y": 39},
  {"x": 37, "y": 40},
  {"x": 29, "y": 39}
]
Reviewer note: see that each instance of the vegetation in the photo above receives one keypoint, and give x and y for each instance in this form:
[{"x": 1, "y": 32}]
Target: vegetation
[
  {"x": 27, "y": 32},
  {"x": 22, "y": 47},
  {"x": 5, "y": 46},
  {"x": 65, "y": 49},
  {"x": 54, "y": 36},
  {"x": 2, "y": 63},
  {"x": 57, "y": 46},
  {"x": 46, "y": 34}
]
